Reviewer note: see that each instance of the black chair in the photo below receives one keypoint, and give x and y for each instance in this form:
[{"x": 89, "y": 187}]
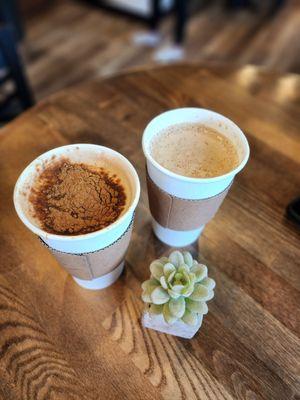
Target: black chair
[
  {"x": 9, "y": 15},
  {"x": 15, "y": 94},
  {"x": 180, "y": 9},
  {"x": 274, "y": 6}
]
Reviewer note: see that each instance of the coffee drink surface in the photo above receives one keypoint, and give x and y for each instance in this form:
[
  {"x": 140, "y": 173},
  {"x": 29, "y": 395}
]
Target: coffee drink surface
[
  {"x": 74, "y": 199},
  {"x": 194, "y": 150}
]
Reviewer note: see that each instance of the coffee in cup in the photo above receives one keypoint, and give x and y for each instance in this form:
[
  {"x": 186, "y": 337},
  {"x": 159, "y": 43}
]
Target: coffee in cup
[
  {"x": 194, "y": 150},
  {"x": 75, "y": 198},
  {"x": 80, "y": 200},
  {"x": 192, "y": 156}
]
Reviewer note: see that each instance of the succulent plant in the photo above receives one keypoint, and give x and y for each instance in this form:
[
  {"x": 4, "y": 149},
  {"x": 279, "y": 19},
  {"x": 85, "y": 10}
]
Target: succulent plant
[{"x": 178, "y": 288}]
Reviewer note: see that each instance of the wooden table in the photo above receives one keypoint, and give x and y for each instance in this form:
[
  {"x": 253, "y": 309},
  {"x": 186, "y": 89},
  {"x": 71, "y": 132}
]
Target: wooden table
[{"x": 59, "y": 341}]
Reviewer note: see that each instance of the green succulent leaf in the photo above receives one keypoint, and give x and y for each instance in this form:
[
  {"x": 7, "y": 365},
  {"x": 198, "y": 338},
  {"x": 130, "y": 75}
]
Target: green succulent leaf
[
  {"x": 156, "y": 309},
  {"x": 190, "y": 318},
  {"x": 183, "y": 269},
  {"x": 188, "y": 259},
  {"x": 173, "y": 295},
  {"x": 171, "y": 276},
  {"x": 210, "y": 295},
  {"x": 209, "y": 283},
  {"x": 156, "y": 268},
  {"x": 186, "y": 276},
  {"x": 163, "y": 282},
  {"x": 192, "y": 277},
  {"x": 176, "y": 258},
  {"x": 200, "y": 270},
  {"x": 200, "y": 293},
  {"x": 159, "y": 296},
  {"x": 199, "y": 307},
  {"x": 169, "y": 318},
  {"x": 164, "y": 260},
  {"x": 188, "y": 290},
  {"x": 146, "y": 297},
  {"x": 148, "y": 287},
  {"x": 169, "y": 269},
  {"x": 178, "y": 276},
  {"x": 150, "y": 283},
  {"x": 200, "y": 319},
  {"x": 177, "y": 307},
  {"x": 177, "y": 288}
]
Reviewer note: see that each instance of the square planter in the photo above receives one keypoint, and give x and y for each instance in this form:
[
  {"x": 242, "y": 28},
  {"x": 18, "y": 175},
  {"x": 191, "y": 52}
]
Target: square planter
[{"x": 179, "y": 328}]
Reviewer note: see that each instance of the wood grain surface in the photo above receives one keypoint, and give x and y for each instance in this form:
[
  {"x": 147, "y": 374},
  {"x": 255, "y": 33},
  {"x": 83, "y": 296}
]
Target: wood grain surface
[
  {"x": 61, "y": 36},
  {"x": 59, "y": 341}
]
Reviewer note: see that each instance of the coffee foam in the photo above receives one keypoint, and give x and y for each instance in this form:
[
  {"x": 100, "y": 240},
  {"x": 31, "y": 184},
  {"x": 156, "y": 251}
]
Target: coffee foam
[
  {"x": 110, "y": 164},
  {"x": 194, "y": 150}
]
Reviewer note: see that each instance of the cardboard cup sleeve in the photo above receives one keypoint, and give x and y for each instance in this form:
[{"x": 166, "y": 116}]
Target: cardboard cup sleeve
[
  {"x": 181, "y": 214},
  {"x": 88, "y": 266}
]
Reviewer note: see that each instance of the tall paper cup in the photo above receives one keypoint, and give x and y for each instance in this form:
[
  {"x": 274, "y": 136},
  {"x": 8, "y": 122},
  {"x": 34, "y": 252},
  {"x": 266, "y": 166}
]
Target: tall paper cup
[
  {"x": 180, "y": 205},
  {"x": 95, "y": 260}
]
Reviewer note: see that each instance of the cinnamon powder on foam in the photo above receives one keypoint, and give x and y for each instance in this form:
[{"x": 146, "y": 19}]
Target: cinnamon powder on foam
[{"x": 74, "y": 199}]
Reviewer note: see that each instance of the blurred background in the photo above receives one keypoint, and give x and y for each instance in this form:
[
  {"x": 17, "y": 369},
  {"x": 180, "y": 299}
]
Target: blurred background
[{"x": 47, "y": 45}]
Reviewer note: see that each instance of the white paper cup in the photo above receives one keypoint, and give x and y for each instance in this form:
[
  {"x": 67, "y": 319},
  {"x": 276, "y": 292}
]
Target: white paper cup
[
  {"x": 93, "y": 155},
  {"x": 187, "y": 187}
]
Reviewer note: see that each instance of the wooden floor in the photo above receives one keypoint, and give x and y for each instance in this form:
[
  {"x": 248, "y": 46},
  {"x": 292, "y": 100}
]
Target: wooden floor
[{"x": 72, "y": 42}]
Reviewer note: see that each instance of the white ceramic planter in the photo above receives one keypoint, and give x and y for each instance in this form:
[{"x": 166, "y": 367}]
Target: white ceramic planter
[{"x": 179, "y": 328}]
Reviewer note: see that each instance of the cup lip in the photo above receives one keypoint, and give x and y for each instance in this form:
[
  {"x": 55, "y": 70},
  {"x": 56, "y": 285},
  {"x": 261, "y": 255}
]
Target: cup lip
[
  {"x": 44, "y": 234},
  {"x": 164, "y": 170}
]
